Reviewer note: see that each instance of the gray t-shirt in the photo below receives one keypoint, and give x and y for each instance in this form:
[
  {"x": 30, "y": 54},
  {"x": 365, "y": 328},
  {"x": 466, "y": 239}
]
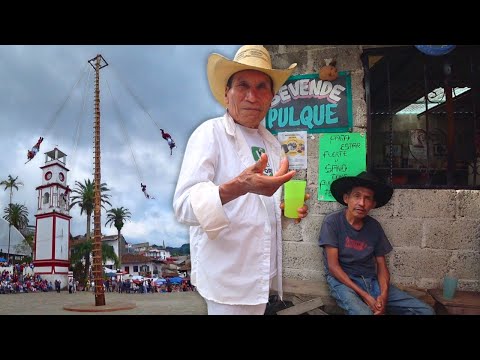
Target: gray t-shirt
[{"x": 357, "y": 249}]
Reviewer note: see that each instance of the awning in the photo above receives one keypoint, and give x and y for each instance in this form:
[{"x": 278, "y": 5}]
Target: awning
[{"x": 108, "y": 271}]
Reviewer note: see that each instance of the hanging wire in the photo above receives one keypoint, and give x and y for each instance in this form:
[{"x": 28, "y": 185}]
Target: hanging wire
[
  {"x": 81, "y": 115},
  {"x": 52, "y": 122},
  {"x": 125, "y": 133},
  {"x": 135, "y": 97}
]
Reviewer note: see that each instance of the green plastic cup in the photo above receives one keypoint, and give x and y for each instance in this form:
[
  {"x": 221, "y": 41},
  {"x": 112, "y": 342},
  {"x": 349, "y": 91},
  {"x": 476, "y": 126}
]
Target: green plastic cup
[{"x": 294, "y": 197}]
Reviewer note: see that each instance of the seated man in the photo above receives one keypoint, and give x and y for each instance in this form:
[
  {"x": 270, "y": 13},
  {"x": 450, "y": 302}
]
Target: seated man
[{"x": 354, "y": 247}]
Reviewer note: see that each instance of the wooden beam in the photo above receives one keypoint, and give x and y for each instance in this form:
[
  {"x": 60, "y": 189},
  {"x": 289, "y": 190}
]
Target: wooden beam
[
  {"x": 303, "y": 307},
  {"x": 305, "y": 287}
]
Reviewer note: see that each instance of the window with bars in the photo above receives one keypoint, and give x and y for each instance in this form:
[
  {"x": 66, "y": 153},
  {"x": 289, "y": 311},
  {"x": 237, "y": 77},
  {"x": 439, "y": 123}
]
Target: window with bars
[{"x": 423, "y": 127}]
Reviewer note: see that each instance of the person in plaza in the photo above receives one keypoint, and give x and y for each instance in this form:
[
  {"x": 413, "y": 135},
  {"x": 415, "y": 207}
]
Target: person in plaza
[
  {"x": 354, "y": 247},
  {"x": 230, "y": 185},
  {"x": 58, "y": 284},
  {"x": 70, "y": 285}
]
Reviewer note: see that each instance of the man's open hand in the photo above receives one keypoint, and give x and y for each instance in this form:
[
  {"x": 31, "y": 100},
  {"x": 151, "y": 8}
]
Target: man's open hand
[{"x": 254, "y": 181}]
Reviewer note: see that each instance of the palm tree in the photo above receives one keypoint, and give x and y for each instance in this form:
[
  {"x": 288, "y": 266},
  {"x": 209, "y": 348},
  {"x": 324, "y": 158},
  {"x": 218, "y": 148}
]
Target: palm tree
[
  {"x": 117, "y": 217},
  {"x": 108, "y": 253},
  {"x": 85, "y": 199},
  {"x": 16, "y": 215},
  {"x": 11, "y": 184}
]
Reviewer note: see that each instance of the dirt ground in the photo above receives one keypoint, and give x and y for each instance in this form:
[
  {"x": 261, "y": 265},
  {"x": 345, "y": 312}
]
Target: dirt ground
[{"x": 53, "y": 303}]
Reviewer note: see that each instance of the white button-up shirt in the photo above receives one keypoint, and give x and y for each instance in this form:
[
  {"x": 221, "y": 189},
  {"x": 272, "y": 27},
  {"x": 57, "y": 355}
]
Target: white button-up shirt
[{"x": 229, "y": 244}]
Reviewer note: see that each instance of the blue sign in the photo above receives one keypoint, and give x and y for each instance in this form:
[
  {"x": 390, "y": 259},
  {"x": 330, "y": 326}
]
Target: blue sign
[{"x": 435, "y": 50}]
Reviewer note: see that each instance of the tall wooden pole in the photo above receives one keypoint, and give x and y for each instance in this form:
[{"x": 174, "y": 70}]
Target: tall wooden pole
[{"x": 97, "y": 234}]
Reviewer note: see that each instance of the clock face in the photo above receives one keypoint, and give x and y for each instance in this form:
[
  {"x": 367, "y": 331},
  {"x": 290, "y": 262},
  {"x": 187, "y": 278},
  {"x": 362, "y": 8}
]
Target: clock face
[
  {"x": 48, "y": 175},
  {"x": 61, "y": 177}
]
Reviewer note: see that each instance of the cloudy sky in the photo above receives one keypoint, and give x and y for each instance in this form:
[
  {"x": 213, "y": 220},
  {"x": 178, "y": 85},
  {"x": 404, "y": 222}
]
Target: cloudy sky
[{"x": 48, "y": 91}]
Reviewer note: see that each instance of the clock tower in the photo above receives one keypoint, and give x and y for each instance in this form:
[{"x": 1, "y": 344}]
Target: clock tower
[{"x": 51, "y": 252}]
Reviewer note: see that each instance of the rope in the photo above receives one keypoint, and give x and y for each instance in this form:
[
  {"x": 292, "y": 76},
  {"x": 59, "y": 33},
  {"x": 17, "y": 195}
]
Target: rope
[
  {"x": 55, "y": 116},
  {"x": 125, "y": 134},
  {"x": 136, "y": 98},
  {"x": 79, "y": 122}
]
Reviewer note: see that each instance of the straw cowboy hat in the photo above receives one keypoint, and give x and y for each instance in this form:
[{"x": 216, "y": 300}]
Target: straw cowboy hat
[
  {"x": 248, "y": 57},
  {"x": 341, "y": 186}
]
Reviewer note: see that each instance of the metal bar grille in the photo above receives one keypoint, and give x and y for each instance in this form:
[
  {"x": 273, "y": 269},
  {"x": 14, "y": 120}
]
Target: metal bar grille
[{"x": 452, "y": 134}]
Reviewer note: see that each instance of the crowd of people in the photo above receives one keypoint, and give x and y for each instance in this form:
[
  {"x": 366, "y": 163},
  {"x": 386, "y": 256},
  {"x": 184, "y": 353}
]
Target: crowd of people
[
  {"x": 23, "y": 280},
  {"x": 17, "y": 282},
  {"x": 145, "y": 286}
]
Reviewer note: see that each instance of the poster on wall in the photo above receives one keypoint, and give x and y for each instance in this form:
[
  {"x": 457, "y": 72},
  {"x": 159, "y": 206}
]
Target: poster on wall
[
  {"x": 306, "y": 103},
  {"x": 294, "y": 145},
  {"x": 340, "y": 155}
]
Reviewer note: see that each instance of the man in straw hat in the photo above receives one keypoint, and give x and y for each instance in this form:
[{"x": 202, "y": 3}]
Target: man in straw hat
[
  {"x": 229, "y": 187},
  {"x": 354, "y": 247}
]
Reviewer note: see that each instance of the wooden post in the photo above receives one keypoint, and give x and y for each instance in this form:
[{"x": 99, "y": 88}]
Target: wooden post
[{"x": 97, "y": 235}]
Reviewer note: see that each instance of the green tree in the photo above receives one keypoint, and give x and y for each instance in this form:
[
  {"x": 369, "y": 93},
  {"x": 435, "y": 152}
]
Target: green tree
[
  {"x": 118, "y": 217},
  {"x": 108, "y": 253},
  {"x": 79, "y": 272},
  {"x": 11, "y": 183},
  {"x": 16, "y": 215},
  {"x": 80, "y": 254},
  {"x": 85, "y": 198}
]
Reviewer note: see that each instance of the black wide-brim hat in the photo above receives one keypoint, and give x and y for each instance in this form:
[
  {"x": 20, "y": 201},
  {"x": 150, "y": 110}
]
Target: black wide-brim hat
[{"x": 341, "y": 186}]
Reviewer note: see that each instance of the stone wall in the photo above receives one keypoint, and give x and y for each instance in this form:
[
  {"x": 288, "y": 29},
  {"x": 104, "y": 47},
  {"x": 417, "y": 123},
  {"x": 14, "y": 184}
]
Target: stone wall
[{"x": 432, "y": 231}]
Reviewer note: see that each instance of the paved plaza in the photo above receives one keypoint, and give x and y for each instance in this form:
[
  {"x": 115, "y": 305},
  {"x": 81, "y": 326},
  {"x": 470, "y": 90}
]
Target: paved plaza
[{"x": 53, "y": 303}]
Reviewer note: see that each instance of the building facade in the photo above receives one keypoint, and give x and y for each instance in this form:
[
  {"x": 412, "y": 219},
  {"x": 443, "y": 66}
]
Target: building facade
[
  {"x": 419, "y": 115},
  {"x": 51, "y": 245}
]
